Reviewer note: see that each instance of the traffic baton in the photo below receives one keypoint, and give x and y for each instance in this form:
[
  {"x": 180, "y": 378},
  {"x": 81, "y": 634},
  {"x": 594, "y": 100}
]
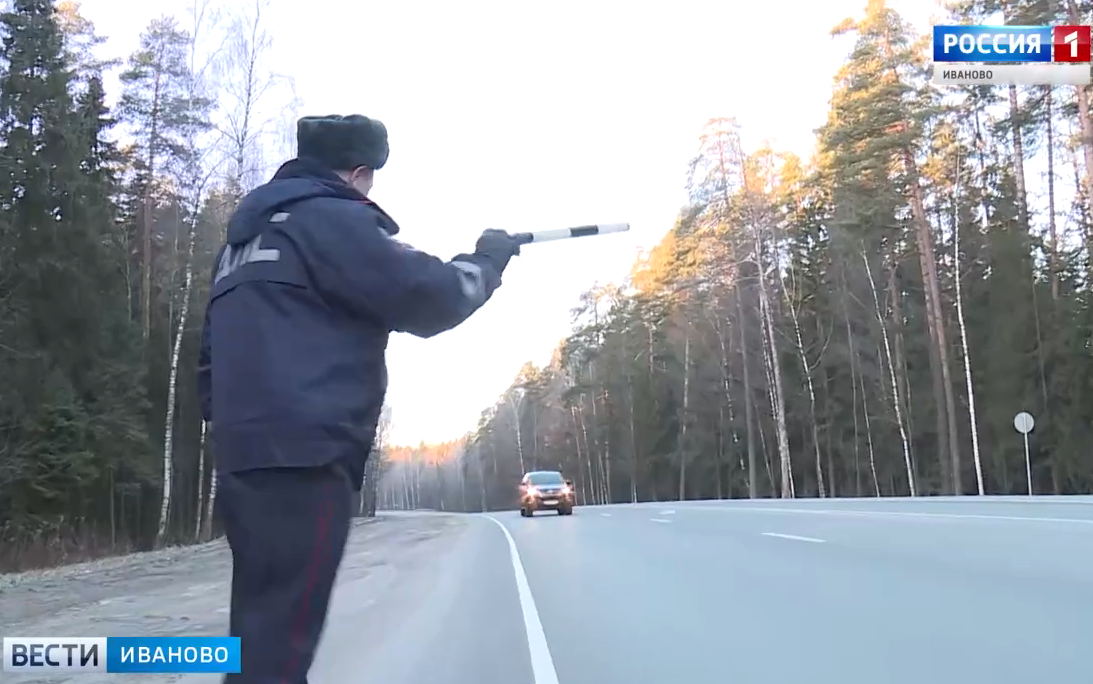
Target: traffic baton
[{"x": 566, "y": 233}]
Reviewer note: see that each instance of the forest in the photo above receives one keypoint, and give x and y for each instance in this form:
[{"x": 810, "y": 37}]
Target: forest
[
  {"x": 111, "y": 217},
  {"x": 866, "y": 322}
]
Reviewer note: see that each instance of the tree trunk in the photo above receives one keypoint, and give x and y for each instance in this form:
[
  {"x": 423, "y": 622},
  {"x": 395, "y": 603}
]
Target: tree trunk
[
  {"x": 911, "y": 486},
  {"x": 969, "y": 387},
  {"x": 869, "y": 437},
  {"x": 210, "y": 506},
  {"x": 902, "y": 385},
  {"x": 778, "y": 402},
  {"x": 515, "y": 408},
  {"x": 1018, "y": 157},
  {"x": 934, "y": 318},
  {"x": 172, "y": 382},
  {"x": 200, "y": 483},
  {"x": 633, "y": 440},
  {"x": 1081, "y": 95},
  {"x": 726, "y": 387},
  {"x": 820, "y": 489},
  {"x": 606, "y": 451},
  {"x": 1051, "y": 229},
  {"x": 749, "y": 399},
  {"x": 147, "y": 213},
  {"x": 685, "y": 414}
]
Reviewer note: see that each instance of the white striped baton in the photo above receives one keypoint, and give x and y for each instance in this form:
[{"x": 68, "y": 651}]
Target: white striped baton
[{"x": 566, "y": 233}]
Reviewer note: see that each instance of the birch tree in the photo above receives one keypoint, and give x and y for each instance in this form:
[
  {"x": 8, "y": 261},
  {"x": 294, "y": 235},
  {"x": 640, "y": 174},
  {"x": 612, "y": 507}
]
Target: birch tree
[
  {"x": 253, "y": 96},
  {"x": 194, "y": 168}
]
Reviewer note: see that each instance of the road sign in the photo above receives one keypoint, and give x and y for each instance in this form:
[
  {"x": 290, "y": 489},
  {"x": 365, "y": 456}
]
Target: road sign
[{"x": 1023, "y": 422}]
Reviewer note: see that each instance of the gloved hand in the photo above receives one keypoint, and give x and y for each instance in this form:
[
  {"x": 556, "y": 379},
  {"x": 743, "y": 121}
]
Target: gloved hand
[{"x": 497, "y": 246}]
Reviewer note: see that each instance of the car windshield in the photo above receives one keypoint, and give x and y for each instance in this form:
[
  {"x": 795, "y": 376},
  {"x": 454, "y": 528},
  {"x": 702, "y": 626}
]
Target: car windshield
[{"x": 545, "y": 478}]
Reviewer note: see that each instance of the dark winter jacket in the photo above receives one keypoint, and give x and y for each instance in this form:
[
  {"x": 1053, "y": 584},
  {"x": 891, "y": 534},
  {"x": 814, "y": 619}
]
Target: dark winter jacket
[{"x": 292, "y": 369}]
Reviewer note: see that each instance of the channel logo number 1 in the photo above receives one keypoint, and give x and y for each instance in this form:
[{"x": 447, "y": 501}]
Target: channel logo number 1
[{"x": 1070, "y": 44}]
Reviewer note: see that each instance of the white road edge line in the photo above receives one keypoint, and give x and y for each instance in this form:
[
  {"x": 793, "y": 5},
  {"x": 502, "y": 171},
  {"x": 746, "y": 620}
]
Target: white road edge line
[
  {"x": 542, "y": 664},
  {"x": 667, "y": 512},
  {"x": 894, "y": 514},
  {"x": 659, "y": 520},
  {"x": 793, "y": 537}
]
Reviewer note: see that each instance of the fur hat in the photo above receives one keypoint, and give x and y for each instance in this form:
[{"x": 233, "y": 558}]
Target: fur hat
[{"x": 343, "y": 143}]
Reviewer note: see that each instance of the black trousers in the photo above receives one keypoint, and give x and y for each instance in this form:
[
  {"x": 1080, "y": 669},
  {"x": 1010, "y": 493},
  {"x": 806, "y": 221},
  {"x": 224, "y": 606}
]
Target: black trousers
[{"x": 287, "y": 529}]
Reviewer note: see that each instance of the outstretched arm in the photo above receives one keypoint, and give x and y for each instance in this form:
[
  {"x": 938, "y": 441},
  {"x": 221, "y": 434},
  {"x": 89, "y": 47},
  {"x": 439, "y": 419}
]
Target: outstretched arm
[{"x": 406, "y": 290}]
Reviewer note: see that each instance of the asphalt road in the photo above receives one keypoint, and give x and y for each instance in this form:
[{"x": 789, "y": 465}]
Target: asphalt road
[{"x": 780, "y": 592}]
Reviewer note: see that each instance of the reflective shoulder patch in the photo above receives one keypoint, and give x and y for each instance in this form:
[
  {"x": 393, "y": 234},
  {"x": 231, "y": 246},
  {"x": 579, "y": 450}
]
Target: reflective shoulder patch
[
  {"x": 472, "y": 281},
  {"x": 398, "y": 244},
  {"x": 387, "y": 236}
]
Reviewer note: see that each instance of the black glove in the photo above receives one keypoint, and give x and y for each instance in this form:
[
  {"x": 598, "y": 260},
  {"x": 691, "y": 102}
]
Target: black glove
[{"x": 497, "y": 246}]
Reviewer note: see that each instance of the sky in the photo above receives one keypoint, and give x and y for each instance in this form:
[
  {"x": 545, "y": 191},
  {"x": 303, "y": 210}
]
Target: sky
[{"x": 537, "y": 115}]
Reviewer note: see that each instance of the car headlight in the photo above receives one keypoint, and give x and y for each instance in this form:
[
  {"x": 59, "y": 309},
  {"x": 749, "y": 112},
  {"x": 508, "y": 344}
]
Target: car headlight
[
  {"x": 566, "y": 490},
  {"x": 533, "y": 491}
]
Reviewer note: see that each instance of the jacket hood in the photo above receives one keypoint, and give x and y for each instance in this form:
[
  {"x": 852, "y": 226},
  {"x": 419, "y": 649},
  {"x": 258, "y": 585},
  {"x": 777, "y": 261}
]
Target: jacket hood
[{"x": 295, "y": 181}]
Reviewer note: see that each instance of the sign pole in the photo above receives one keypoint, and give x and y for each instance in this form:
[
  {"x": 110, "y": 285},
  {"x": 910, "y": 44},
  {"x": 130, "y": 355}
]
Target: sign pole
[{"x": 1028, "y": 466}]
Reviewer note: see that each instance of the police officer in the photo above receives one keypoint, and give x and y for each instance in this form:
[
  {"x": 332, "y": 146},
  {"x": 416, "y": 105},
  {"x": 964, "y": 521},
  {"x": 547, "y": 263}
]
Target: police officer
[{"x": 292, "y": 374}]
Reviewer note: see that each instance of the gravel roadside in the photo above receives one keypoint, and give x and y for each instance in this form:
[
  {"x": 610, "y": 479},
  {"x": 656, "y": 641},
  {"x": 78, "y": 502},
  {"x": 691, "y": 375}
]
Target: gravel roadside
[{"x": 171, "y": 592}]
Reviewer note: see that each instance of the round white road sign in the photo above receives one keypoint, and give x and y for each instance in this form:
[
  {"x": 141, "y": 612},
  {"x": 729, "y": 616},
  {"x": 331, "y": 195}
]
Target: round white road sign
[{"x": 1023, "y": 422}]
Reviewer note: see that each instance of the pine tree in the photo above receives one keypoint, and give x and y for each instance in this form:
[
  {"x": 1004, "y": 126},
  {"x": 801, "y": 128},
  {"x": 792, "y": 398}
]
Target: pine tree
[
  {"x": 39, "y": 162},
  {"x": 157, "y": 105}
]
